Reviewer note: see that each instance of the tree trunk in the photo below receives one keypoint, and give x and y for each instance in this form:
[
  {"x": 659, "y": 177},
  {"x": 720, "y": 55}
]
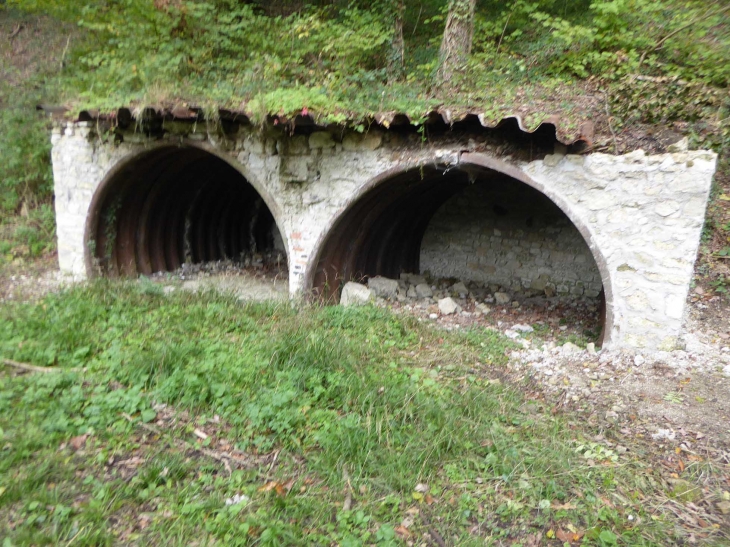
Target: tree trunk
[
  {"x": 457, "y": 40},
  {"x": 397, "y": 47}
]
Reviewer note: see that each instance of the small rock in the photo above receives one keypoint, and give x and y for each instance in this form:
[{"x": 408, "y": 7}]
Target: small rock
[
  {"x": 661, "y": 434},
  {"x": 433, "y": 315},
  {"x": 569, "y": 348},
  {"x": 523, "y": 328},
  {"x": 413, "y": 279},
  {"x": 724, "y": 507},
  {"x": 460, "y": 289},
  {"x": 639, "y": 360},
  {"x": 483, "y": 308},
  {"x": 591, "y": 348},
  {"x": 423, "y": 291},
  {"x": 611, "y": 415},
  {"x": 383, "y": 287},
  {"x": 447, "y": 306},
  {"x": 238, "y": 498},
  {"x": 412, "y": 292},
  {"x": 354, "y": 294},
  {"x": 502, "y": 298},
  {"x": 681, "y": 145},
  {"x": 515, "y": 304}
]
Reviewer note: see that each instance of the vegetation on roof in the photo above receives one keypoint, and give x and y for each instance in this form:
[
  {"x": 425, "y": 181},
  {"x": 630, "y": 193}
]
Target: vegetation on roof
[{"x": 348, "y": 59}]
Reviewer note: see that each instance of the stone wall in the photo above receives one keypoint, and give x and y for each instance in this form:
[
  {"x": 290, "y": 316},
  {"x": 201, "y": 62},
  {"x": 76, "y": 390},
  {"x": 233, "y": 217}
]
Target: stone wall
[
  {"x": 640, "y": 216},
  {"x": 507, "y": 233}
]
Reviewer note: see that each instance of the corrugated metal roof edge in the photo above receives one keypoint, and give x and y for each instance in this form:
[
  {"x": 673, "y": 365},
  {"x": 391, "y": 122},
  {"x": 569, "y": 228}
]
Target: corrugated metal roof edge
[{"x": 583, "y": 134}]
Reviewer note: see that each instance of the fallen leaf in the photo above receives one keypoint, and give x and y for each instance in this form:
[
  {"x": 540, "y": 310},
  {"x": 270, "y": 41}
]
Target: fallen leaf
[
  {"x": 135, "y": 461},
  {"x": 402, "y": 532},
  {"x": 78, "y": 442},
  {"x": 280, "y": 488},
  {"x": 269, "y": 486}
]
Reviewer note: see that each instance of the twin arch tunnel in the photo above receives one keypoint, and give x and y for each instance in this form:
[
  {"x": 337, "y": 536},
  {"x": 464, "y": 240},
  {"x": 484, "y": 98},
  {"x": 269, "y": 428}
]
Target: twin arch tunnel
[{"x": 176, "y": 205}]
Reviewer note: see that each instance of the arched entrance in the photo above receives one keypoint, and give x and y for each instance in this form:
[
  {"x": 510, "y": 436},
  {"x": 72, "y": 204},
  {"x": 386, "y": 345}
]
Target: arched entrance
[
  {"x": 482, "y": 221},
  {"x": 174, "y": 205}
]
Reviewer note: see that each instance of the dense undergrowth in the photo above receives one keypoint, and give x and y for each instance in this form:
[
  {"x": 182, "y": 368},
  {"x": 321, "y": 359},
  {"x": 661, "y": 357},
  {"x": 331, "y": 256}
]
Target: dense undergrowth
[{"x": 351, "y": 427}]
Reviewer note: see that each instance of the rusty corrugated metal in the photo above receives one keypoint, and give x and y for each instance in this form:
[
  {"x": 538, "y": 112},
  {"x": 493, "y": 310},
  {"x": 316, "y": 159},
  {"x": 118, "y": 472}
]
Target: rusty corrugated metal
[{"x": 564, "y": 134}]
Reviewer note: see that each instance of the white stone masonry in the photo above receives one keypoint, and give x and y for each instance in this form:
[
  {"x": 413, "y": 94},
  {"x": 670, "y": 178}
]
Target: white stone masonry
[{"x": 640, "y": 217}]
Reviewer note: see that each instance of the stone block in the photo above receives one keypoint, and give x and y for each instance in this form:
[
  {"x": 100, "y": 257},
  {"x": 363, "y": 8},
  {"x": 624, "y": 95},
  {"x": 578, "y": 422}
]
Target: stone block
[
  {"x": 321, "y": 139},
  {"x": 355, "y": 294},
  {"x": 370, "y": 141},
  {"x": 447, "y": 306},
  {"x": 383, "y": 287},
  {"x": 460, "y": 289},
  {"x": 294, "y": 146},
  {"x": 502, "y": 298},
  {"x": 423, "y": 291}
]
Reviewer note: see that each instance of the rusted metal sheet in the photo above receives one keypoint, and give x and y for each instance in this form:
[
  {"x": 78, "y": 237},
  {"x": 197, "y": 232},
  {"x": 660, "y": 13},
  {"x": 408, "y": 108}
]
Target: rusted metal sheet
[{"x": 175, "y": 205}]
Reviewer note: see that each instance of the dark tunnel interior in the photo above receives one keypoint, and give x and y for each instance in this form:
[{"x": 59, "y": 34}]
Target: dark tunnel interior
[
  {"x": 476, "y": 221},
  {"x": 173, "y": 206}
]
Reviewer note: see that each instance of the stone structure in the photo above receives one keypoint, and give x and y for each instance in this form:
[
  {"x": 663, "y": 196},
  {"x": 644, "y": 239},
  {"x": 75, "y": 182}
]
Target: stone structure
[
  {"x": 343, "y": 202},
  {"x": 510, "y": 235}
]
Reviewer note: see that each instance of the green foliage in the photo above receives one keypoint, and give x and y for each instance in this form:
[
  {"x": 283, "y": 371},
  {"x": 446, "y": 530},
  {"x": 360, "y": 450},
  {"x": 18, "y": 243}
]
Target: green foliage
[
  {"x": 333, "y": 59},
  {"x": 305, "y": 396},
  {"x": 25, "y": 175}
]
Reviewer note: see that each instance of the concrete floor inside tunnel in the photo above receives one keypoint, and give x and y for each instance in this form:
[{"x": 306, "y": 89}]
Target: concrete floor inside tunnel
[{"x": 173, "y": 207}]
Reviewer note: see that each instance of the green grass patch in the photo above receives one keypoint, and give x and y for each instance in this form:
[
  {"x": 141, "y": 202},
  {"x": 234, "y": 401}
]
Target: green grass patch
[{"x": 332, "y": 418}]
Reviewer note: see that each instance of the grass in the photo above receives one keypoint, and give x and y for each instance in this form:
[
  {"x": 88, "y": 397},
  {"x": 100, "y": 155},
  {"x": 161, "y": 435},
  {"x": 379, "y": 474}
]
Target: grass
[{"x": 334, "y": 426}]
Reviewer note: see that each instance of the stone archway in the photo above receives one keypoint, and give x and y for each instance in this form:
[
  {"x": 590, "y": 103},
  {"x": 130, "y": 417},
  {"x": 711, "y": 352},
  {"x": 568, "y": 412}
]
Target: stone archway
[
  {"x": 161, "y": 208},
  {"x": 381, "y": 231}
]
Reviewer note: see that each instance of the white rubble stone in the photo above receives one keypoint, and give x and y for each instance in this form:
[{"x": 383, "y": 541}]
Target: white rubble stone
[
  {"x": 447, "y": 306},
  {"x": 413, "y": 279},
  {"x": 502, "y": 298},
  {"x": 483, "y": 308},
  {"x": 423, "y": 291},
  {"x": 569, "y": 348},
  {"x": 383, "y": 287},
  {"x": 460, "y": 289},
  {"x": 355, "y": 294}
]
